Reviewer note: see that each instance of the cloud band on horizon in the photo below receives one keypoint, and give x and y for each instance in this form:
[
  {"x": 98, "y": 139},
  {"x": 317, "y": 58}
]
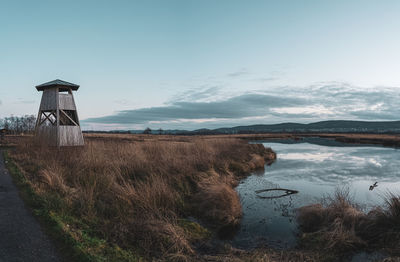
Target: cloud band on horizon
[{"x": 317, "y": 102}]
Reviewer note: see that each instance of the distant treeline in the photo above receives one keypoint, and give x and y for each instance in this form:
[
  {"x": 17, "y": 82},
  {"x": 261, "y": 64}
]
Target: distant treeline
[{"x": 18, "y": 124}]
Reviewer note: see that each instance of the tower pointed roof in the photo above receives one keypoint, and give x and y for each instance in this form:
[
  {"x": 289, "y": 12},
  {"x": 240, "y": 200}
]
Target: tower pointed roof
[{"x": 63, "y": 85}]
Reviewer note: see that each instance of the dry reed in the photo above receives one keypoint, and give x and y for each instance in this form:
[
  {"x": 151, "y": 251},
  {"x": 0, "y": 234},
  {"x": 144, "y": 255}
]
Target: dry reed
[
  {"x": 341, "y": 227},
  {"x": 133, "y": 190}
]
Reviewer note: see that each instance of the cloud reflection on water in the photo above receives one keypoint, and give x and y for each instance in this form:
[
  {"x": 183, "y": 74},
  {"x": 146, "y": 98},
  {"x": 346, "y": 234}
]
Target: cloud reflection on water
[
  {"x": 317, "y": 157},
  {"x": 315, "y": 171}
]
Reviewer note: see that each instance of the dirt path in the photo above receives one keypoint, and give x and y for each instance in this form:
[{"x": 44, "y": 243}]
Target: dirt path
[{"x": 21, "y": 238}]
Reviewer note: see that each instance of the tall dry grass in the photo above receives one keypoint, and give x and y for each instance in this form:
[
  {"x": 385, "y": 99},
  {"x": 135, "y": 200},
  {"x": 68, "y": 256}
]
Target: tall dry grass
[
  {"x": 340, "y": 226},
  {"x": 134, "y": 190}
]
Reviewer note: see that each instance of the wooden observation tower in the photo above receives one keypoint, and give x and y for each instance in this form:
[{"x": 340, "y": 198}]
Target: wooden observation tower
[{"x": 58, "y": 123}]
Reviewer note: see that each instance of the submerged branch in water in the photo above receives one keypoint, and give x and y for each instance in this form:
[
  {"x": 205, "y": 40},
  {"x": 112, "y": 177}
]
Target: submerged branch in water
[{"x": 288, "y": 192}]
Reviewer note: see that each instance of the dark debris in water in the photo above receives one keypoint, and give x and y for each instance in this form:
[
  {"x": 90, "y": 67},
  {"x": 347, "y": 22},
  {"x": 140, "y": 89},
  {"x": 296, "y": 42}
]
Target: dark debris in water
[{"x": 287, "y": 192}]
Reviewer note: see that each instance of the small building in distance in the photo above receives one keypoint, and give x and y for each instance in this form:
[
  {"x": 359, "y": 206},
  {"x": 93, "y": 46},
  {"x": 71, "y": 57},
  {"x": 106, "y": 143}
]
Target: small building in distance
[{"x": 57, "y": 122}]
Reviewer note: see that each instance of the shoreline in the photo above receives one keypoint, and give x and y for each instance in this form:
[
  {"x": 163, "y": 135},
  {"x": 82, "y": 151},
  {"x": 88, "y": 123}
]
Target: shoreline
[{"x": 389, "y": 140}]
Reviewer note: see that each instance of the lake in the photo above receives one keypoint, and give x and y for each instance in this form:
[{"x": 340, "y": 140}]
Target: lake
[{"x": 314, "y": 167}]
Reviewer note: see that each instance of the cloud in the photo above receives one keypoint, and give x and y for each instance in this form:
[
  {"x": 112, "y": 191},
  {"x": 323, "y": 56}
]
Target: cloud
[
  {"x": 198, "y": 94},
  {"x": 245, "y": 105},
  {"x": 378, "y": 103},
  {"x": 321, "y": 101},
  {"x": 266, "y": 79},
  {"x": 383, "y": 114},
  {"x": 303, "y": 111},
  {"x": 238, "y": 73}
]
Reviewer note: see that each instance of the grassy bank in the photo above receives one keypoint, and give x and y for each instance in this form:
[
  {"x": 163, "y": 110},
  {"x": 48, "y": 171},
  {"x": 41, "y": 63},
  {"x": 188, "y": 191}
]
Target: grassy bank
[
  {"x": 132, "y": 198},
  {"x": 75, "y": 244},
  {"x": 339, "y": 227}
]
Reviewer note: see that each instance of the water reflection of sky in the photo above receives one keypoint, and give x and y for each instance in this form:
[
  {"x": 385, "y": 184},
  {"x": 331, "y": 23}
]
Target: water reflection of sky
[{"x": 315, "y": 171}]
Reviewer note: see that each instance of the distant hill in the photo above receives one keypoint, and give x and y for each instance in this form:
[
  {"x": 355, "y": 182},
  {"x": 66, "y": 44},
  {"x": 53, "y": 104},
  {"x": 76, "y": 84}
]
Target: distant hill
[
  {"x": 333, "y": 126},
  {"x": 323, "y": 126}
]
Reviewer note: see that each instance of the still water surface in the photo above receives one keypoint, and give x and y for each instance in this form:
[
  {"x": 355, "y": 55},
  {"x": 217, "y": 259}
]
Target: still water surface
[{"x": 315, "y": 167}]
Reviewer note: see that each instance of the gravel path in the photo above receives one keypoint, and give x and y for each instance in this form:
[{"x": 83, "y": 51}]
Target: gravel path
[{"x": 21, "y": 238}]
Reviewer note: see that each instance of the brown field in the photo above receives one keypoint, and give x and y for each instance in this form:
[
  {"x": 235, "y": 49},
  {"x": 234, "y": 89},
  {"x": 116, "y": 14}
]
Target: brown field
[
  {"x": 137, "y": 192},
  {"x": 356, "y": 138},
  {"x": 164, "y": 198}
]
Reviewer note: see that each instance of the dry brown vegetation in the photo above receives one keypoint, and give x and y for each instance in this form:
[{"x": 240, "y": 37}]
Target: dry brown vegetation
[
  {"x": 138, "y": 194},
  {"x": 137, "y": 191},
  {"x": 339, "y": 226}
]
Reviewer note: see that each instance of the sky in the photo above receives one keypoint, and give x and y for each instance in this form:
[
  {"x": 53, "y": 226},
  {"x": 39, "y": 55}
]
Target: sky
[{"x": 186, "y": 64}]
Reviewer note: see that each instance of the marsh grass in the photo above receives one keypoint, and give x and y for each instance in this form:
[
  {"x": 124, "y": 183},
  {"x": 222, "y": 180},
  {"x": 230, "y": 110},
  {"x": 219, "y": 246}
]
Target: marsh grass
[
  {"x": 340, "y": 226},
  {"x": 134, "y": 192}
]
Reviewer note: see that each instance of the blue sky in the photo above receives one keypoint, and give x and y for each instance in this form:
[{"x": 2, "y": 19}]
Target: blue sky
[{"x": 193, "y": 64}]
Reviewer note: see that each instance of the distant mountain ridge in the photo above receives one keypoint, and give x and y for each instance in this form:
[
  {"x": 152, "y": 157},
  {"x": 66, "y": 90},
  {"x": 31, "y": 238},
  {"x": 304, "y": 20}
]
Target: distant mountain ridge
[
  {"x": 331, "y": 126},
  {"x": 345, "y": 126}
]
